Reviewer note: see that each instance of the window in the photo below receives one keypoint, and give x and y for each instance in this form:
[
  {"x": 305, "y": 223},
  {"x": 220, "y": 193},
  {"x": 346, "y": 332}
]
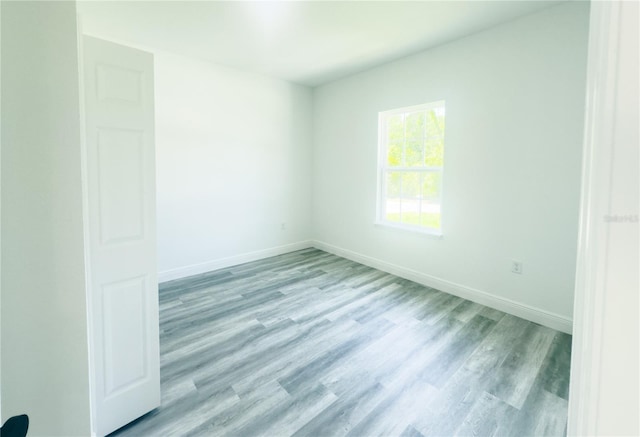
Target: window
[{"x": 411, "y": 147}]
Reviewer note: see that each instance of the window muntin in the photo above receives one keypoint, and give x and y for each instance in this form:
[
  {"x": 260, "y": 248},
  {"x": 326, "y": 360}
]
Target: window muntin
[{"x": 411, "y": 146}]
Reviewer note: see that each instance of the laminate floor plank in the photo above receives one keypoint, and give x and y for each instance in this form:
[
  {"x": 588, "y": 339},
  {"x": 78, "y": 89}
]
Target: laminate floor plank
[
  {"x": 467, "y": 310},
  {"x": 396, "y": 411},
  {"x": 363, "y": 302},
  {"x": 339, "y": 418},
  {"x": 554, "y": 374},
  {"x": 259, "y": 400},
  {"x": 311, "y": 344},
  {"x": 457, "y": 351},
  {"x": 491, "y": 313},
  {"x": 271, "y": 355},
  {"x": 439, "y": 307},
  {"x": 410, "y": 431},
  {"x": 515, "y": 376},
  {"x": 326, "y": 359},
  {"x": 206, "y": 333},
  {"x": 420, "y": 352},
  {"x": 287, "y": 417},
  {"x": 545, "y": 410},
  {"x": 485, "y": 417},
  {"x": 447, "y": 409},
  {"x": 415, "y": 298},
  {"x": 545, "y": 414},
  {"x": 324, "y": 350},
  {"x": 331, "y": 302},
  {"x": 495, "y": 347}
]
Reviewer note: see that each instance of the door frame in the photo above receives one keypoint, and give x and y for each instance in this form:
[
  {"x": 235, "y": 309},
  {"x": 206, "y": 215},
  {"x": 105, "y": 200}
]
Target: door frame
[{"x": 591, "y": 288}]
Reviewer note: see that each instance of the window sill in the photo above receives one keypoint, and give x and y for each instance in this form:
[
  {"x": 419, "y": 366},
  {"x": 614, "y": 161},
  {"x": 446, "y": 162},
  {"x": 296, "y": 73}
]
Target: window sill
[{"x": 430, "y": 233}]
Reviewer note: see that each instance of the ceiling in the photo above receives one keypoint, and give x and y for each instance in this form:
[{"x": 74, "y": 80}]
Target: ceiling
[{"x": 309, "y": 43}]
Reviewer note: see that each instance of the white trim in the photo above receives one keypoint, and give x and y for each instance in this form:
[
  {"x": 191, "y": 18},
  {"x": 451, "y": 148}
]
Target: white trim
[
  {"x": 0, "y": 228},
  {"x": 84, "y": 172},
  {"x": 0, "y": 222},
  {"x": 429, "y": 232},
  {"x": 220, "y": 263},
  {"x": 546, "y": 318},
  {"x": 383, "y": 168},
  {"x": 415, "y": 108},
  {"x": 593, "y": 234}
]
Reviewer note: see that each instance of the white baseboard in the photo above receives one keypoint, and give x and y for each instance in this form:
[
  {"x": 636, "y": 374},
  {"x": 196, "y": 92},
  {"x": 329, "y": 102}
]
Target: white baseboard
[
  {"x": 546, "y": 318},
  {"x": 551, "y": 320},
  {"x": 196, "y": 269}
]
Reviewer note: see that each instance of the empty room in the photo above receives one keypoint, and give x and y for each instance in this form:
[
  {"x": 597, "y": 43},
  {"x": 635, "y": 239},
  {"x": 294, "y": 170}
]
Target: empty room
[{"x": 319, "y": 218}]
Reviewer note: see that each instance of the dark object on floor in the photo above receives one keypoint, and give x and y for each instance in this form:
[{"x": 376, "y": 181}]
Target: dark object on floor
[{"x": 15, "y": 426}]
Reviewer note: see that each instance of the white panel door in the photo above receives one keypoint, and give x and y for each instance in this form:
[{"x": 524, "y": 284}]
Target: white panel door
[{"x": 123, "y": 289}]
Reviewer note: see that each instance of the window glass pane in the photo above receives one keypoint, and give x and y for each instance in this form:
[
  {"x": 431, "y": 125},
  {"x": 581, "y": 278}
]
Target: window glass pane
[
  {"x": 431, "y": 184},
  {"x": 394, "y": 155},
  {"x": 434, "y": 151},
  {"x": 410, "y": 185},
  {"x": 415, "y": 122},
  {"x": 413, "y": 155},
  {"x": 410, "y": 205},
  {"x": 435, "y": 122},
  {"x": 395, "y": 129},
  {"x": 430, "y": 216},
  {"x": 392, "y": 210},
  {"x": 410, "y": 211},
  {"x": 394, "y": 192},
  {"x": 394, "y": 181}
]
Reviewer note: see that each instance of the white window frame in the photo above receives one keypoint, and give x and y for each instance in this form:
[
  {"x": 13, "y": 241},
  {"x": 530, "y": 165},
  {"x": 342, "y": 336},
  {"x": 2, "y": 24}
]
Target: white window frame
[{"x": 384, "y": 168}]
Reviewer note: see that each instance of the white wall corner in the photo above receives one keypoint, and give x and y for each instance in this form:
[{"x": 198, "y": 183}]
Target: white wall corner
[{"x": 215, "y": 264}]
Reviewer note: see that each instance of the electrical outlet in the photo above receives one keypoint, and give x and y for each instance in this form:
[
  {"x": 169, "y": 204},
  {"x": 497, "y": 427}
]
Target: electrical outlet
[
  {"x": 516, "y": 267},
  {"x": 283, "y": 226}
]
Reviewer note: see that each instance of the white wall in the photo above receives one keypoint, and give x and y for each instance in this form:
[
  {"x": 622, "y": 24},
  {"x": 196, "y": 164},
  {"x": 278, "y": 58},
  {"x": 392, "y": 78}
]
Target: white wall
[
  {"x": 515, "y": 105},
  {"x": 233, "y": 165},
  {"x": 44, "y": 341}
]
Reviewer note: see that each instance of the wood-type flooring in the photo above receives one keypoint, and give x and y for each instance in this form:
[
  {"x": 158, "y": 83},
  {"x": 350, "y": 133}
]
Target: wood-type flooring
[{"x": 311, "y": 344}]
